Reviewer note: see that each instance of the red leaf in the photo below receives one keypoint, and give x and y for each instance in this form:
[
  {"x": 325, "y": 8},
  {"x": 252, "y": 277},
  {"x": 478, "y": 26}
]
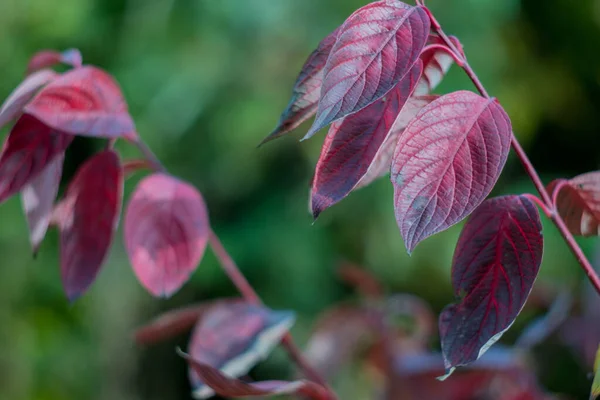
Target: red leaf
[
  {"x": 495, "y": 264},
  {"x": 578, "y": 203},
  {"x": 30, "y": 147},
  {"x": 87, "y": 219},
  {"x": 307, "y": 89},
  {"x": 13, "y": 105},
  {"x": 84, "y": 101},
  {"x": 226, "y": 386},
  {"x": 382, "y": 162},
  {"x": 436, "y": 63},
  {"x": 375, "y": 48},
  {"x": 166, "y": 233},
  {"x": 447, "y": 162},
  {"x": 233, "y": 338},
  {"x": 352, "y": 144},
  {"x": 37, "y": 199},
  {"x": 49, "y": 58}
]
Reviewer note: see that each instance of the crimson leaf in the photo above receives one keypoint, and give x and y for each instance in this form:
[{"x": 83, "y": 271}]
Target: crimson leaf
[
  {"x": 166, "y": 232},
  {"x": 447, "y": 162},
  {"x": 353, "y": 143},
  {"x": 436, "y": 63},
  {"x": 376, "y": 47},
  {"x": 307, "y": 89},
  {"x": 84, "y": 101},
  {"x": 87, "y": 219},
  {"x": 233, "y": 338},
  {"x": 37, "y": 199},
  {"x": 49, "y": 58},
  {"x": 495, "y": 264},
  {"x": 578, "y": 203},
  {"x": 29, "y": 148},
  {"x": 14, "y": 104}
]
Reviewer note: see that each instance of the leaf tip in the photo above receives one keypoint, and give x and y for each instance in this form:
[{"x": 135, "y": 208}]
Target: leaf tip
[{"x": 449, "y": 372}]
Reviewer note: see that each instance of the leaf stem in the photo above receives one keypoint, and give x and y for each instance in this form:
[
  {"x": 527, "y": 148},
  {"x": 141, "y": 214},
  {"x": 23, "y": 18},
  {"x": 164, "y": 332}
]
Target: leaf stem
[
  {"x": 149, "y": 155},
  {"x": 529, "y": 168},
  {"x": 239, "y": 280}
]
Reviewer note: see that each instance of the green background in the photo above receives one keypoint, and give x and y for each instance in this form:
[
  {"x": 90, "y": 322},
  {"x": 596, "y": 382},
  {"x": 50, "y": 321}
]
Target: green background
[{"x": 206, "y": 80}]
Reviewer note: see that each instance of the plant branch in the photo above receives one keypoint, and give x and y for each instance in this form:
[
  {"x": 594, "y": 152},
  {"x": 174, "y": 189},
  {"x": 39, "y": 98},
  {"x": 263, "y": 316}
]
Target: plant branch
[
  {"x": 239, "y": 280},
  {"x": 148, "y": 154},
  {"x": 529, "y": 168}
]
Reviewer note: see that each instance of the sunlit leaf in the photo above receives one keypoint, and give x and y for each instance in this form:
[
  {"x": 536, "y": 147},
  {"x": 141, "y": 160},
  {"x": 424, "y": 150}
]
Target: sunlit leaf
[{"x": 578, "y": 203}]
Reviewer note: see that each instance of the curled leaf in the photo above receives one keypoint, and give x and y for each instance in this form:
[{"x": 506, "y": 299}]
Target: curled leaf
[
  {"x": 578, "y": 203},
  {"x": 166, "y": 233},
  {"x": 436, "y": 63},
  {"x": 49, "y": 58}
]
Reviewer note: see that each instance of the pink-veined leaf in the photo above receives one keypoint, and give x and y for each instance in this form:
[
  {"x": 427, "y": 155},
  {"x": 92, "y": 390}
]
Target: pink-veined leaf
[
  {"x": 166, "y": 233},
  {"x": 495, "y": 264},
  {"x": 436, "y": 63},
  {"x": 226, "y": 386},
  {"x": 49, "y": 58},
  {"x": 13, "y": 105},
  {"x": 353, "y": 143},
  {"x": 84, "y": 101},
  {"x": 87, "y": 218},
  {"x": 306, "y": 92},
  {"x": 233, "y": 338},
  {"x": 578, "y": 203},
  {"x": 37, "y": 200},
  {"x": 446, "y": 163},
  {"x": 376, "y": 47},
  {"x": 382, "y": 162},
  {"x": 29, "y": 148}
]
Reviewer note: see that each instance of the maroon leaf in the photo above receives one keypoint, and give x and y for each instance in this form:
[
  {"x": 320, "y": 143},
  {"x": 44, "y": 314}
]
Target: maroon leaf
[
  {"x": 578, "y": 203},
  {"x": 49, "y": 58},
  {"x": 166, "y": 233},
  {"x": 31, "y": 146},
  {"x": 436, "y": 63},
  {"x": 13, "y": 105},
  {"x": 495, "y": 264},
  {"x": 84, "y": 101},
  {"x": 375, "y": 48},
  {"x": 381, "y": 164},
  {"x": 87, "y": 219},
  {"x": 447, "y": 162},
  {"x": 353, "y": 143},
  {"x": 233, "y": 338},
  {"x": 306, "y": 92},
  {"x": 226, "y": 386},
  {"x": 37, "y": 199}
]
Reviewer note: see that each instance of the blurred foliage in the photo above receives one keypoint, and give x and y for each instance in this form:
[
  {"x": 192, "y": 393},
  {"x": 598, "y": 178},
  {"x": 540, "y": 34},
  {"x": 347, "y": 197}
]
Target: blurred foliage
[{"x": 206, "y": 81}]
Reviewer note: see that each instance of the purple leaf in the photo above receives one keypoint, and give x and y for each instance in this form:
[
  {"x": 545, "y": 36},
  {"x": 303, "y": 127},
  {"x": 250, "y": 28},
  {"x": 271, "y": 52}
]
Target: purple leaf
[
  {"x": 376, "y": 47},
  {"x": 87, "y": 219},
  {"x": 353, "y": 143},
  {"x": 436, "y": 63},
  {"x": 49, "y": 58},
  {"x": 495, "y": 264},
  {"x": 446, "y": 163},
  {"x": 13, "y": 105},
  {"x": 233, "y": 338},
  {"x": 166, "y": 233},
  {"x": 37, "y": 199}
]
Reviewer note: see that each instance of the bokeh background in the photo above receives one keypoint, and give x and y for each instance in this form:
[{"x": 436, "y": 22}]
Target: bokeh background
[{"x": 206, "y": 80}]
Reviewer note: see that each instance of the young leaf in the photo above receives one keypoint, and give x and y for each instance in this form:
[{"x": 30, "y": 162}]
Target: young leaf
[
  {"x": 15, "y": 102},
  {"x": 37, "y": 199},
  {"x": 84, "y": 101},
  {"x": 436, "y": 63},
  {"x": 233, "y": 338},
  {"x": 226, "y": 386},
  {"x": 353, "y": 143},
  {"x": 166, "y": 233},
  {"x": 495, "y": 264},
  {"x": 446, "y": 163},
  {"x": 306, "y": 92},
  {"x": 87, "y": 219},
  {"x": 578, "y": 203},
  {"x": 381, "y": 164},
  {"x": 30, "y": 147},
  {"x": 376, "y": 47},
  {"x": 49, "y": 58}
]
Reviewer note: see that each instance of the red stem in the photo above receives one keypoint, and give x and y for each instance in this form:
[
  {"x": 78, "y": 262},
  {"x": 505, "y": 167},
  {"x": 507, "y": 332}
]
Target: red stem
[
  {"x": 239, "y": 280},
  {"x": 148, "y": 155},
  {"x": 529, "y": 168}
]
